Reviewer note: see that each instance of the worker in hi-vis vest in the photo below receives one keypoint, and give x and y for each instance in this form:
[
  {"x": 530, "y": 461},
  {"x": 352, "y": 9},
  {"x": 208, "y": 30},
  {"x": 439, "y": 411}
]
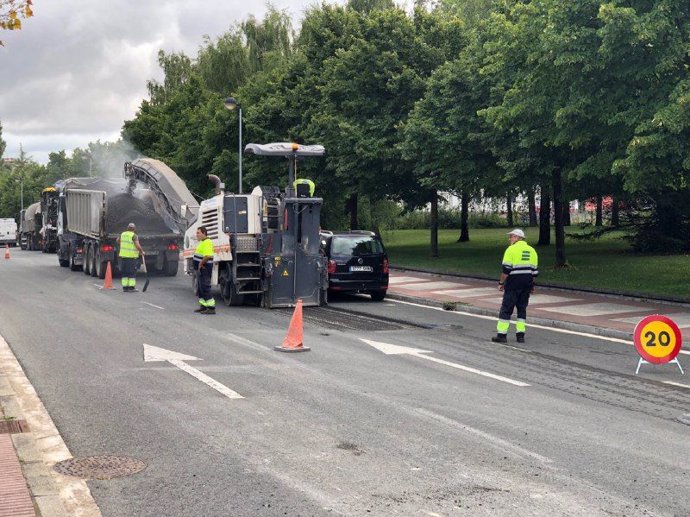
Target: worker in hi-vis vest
[
  {"x": 301, "y": 191},
  {"x": 130, "y": 250},
  {"x": 520, "y": 263},
  {"x": 203, "y": 264}
]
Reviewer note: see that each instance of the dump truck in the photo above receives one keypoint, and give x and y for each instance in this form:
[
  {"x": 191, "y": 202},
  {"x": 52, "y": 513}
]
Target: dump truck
[
  {"x": 30, "y": 224},
  {"x": 93, "y": 212},
  {"x": 8, "y": 231},
  {"x": 266, "y": 243},
  {"x": 49, "y": 211}
]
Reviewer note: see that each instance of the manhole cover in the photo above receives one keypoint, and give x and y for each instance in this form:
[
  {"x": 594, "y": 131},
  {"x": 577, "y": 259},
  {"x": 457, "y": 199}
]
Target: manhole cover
[{"x": 100, "y": 467}]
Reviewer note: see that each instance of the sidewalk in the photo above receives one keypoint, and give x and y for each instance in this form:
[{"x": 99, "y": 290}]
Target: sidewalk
[{"x": 606, "y": 315}]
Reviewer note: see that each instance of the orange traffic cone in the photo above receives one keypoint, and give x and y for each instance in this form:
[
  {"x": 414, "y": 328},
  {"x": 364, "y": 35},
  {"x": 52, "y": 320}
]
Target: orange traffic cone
[
  {"x": 293, "y": 340},
  {"x": 108, "y": 282},
  {"x": 7, "y": 251}
]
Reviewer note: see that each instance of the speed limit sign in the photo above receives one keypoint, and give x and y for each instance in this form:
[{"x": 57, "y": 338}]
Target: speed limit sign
[{"x": 658, "y": 340}]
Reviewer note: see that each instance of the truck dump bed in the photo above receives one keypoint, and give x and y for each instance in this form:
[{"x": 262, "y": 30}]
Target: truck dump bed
[{"x": 104, "y": 208}]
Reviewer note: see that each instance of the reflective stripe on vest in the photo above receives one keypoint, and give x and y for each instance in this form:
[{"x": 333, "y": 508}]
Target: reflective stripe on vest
[
  {"x": 520, "y": 259},
  {"x": 127, "y": 247}
]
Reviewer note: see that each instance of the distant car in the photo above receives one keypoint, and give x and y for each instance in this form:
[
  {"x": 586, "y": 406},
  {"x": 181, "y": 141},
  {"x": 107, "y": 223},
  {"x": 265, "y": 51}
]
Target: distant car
[{"x": 357, "y": 263}]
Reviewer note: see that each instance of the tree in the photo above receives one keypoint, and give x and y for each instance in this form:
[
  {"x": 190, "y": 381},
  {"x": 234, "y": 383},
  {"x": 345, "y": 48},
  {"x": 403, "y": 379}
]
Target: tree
[
  {"x": 3, "y": 144},
  {"x": 12, "y": 12}
]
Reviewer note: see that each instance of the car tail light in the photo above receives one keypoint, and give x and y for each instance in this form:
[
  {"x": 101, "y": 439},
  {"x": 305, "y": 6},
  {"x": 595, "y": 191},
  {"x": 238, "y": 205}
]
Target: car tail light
[
  {"x": 331, "y": 266},
  {"x": 172, "y": 247},
  {"x": 385, "y": 266},
  {"x": 106, "y": 247},
  {"x": 79, "y": 250}
]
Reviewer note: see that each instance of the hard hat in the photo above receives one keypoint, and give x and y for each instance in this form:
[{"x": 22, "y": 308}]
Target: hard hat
[
  {"x": 131, "y": 226},
  {"x": 518, "y": 233}
]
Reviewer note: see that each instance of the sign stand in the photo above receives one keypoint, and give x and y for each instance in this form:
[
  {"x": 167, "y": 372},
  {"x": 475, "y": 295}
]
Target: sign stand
[{"x": 642, "y": 361}]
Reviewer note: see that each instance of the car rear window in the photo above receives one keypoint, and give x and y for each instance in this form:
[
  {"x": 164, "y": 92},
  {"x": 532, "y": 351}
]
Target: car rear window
[{"x": 360, "y": 245}]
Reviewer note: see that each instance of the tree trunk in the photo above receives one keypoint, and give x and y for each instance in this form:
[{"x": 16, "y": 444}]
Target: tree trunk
[
  {"x": 615, "y": 213},
  {"x": 434, "y": 224},
  {"x": 531, "y": 208},
  {"x": 464, "y": 216},
  {"x": 600, "y": 212},
  {"x": 351, "y": 208},
  {"x": 566, "y": 213},
  {"x": 509, "y": 210},
  {"x": 558, "y": 218},
  {"x": 544, "y": 218}
]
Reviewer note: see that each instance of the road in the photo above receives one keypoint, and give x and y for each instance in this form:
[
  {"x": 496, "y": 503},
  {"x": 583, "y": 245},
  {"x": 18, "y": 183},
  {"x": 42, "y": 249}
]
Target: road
[{"x": 557, "y": 426}]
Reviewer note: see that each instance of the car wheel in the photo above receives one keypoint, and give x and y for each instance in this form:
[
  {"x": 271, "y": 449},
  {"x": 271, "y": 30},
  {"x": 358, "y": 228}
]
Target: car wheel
[{"x": 378, "y": 296}]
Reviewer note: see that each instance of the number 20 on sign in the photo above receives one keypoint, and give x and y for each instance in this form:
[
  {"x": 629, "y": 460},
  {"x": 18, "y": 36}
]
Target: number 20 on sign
[{"x": 658, "y": 341}]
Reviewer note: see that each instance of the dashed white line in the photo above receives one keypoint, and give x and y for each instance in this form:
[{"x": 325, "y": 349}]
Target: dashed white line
[
  {"x": 156, "y": 306},
  {"x": 677, "y": 384}
]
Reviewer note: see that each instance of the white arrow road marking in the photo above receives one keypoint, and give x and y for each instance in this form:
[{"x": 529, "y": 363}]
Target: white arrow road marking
[
  {"x": 389, "y": 349},
  {"x": 153, "y": 353}
]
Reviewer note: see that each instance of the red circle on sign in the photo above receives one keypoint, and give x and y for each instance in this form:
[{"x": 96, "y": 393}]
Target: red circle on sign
[{"x": 641, "y": 349}]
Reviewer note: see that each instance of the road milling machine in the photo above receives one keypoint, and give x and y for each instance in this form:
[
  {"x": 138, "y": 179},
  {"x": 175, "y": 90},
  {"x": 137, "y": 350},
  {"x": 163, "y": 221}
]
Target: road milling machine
[{"x": 266, "y": 243}]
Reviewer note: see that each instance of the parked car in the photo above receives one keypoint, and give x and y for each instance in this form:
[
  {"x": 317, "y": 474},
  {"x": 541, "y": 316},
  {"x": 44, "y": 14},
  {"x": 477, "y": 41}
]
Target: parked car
[{"x": 357, "y": 263}]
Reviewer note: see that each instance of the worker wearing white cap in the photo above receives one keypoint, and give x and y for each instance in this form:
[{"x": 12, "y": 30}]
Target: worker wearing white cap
[{"x": 520, "y": 263}]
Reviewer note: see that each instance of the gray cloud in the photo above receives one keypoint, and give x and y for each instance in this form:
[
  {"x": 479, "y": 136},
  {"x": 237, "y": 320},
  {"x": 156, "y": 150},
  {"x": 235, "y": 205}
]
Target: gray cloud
[{"x": 78, "y": 68}]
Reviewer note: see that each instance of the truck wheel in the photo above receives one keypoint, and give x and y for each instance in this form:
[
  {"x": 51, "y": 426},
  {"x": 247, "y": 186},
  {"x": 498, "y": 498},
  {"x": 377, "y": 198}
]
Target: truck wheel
[
  {"x": 228, "y": 290},
  {"x": 170, "y": 268},
  {"x": 87, "y": 260},
  {"x": 100, "y": 269},
  {"x": 72, "y": 265},
  {"x": 94, "y": 259}
]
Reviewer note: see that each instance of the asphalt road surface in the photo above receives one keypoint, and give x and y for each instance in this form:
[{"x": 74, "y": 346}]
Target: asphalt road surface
[{"x": 557, "y": 426}]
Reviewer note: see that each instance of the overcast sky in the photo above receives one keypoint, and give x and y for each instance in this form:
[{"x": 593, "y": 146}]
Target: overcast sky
[{"x": 78, "y": 69}]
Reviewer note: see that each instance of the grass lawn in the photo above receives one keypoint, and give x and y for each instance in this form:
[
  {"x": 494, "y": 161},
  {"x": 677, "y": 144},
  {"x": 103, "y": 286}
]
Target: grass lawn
[{"x": 606, "y": 263}]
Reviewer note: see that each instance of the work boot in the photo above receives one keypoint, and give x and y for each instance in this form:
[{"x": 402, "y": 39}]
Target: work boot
[
  {"x": 200, "y": 309},
  {"x": 500, "y": 338},
  {"x": 520, "y": 337},
  {"x": 126, "y": 289},
  {"x": 209, "y": 310},
  {"x": 133, "y": 290}
]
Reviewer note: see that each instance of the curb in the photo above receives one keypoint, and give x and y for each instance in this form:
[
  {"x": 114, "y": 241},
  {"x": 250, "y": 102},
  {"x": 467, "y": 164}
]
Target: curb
[
  {"x": 559, "y": 324},
  {"x": 39, "y": 449},
  {"x": 635, "y": 297}
]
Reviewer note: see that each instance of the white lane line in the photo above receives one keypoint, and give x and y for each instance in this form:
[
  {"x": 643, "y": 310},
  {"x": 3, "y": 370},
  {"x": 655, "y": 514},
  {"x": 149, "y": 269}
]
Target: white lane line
[
  {"x": 552, "y": 329},
  {"x": 500, "y": 443},
  {"x": 677, "y": 384},
  {"x": 156, "y": 306}
]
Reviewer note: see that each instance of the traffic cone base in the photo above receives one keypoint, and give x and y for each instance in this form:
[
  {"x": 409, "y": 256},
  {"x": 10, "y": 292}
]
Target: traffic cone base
[
  {"x": 295, "y": 335},
  {"x": 108, "y": 281},
  {"x": 7, "y": 252}
]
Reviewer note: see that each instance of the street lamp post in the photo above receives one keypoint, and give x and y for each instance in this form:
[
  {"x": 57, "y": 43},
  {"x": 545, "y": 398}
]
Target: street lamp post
[{"x": 231, "y": 103}]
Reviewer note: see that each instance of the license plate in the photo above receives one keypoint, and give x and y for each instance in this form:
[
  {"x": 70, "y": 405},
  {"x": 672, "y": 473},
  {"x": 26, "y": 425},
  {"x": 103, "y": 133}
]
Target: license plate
[{"x": 361, "y": 268}]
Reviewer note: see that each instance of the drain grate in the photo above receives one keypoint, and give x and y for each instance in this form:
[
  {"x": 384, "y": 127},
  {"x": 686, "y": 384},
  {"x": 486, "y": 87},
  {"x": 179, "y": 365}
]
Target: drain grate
[
  {"x": 100, "y": 467},
  {"x": 13, "y": 426}
]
